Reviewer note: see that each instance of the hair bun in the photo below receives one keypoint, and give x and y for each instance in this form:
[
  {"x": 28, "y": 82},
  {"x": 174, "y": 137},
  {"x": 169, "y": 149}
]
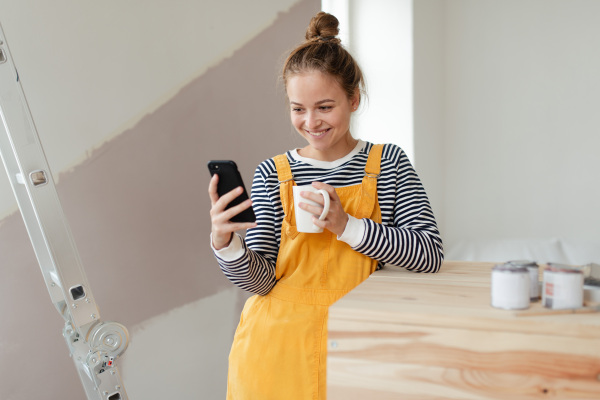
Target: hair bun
[{"x": 323, "y": 27}]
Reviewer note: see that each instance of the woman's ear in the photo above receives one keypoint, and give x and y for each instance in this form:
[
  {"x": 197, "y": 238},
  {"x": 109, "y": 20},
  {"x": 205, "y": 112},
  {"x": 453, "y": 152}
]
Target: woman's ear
[{"x": 355, "y": 100}]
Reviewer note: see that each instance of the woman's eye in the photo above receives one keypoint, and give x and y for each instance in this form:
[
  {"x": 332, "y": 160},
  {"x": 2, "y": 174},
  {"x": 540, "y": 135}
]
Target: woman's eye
[
  {"x": 296, "y": 109},
  {"x": 325, "y": 108}
]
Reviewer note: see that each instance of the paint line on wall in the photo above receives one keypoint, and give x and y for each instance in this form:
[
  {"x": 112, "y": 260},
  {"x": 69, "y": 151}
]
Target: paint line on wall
[
  {"x": 175, "y": 91},
  {"x": 109, "y": 66},
  {"x": 187, "y": 344}
]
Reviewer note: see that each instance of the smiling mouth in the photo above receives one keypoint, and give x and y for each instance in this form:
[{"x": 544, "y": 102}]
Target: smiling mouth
[{"x": 319, "y": 133}]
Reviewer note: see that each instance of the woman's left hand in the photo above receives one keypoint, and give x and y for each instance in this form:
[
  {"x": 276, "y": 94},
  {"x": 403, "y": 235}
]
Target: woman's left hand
[{"x": 336, "y": 219}]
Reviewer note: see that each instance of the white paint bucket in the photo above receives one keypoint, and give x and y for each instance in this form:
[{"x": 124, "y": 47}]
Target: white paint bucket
[
  {"x": 534, "y": 277},
  {"x": 563, "y": 287},
  {"x": 510, "y": 287}
]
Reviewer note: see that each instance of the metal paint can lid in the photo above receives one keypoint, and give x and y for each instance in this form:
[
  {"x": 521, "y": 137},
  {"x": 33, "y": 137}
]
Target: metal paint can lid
[
  {"x": 524, "y": 263},
  {"x": 562, "y": 268},
  {"x": 509, "y": 268}
]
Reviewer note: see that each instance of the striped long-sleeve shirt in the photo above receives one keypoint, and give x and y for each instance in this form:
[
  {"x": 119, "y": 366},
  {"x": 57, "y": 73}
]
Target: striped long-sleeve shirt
[{"x": 407, "y": 236}]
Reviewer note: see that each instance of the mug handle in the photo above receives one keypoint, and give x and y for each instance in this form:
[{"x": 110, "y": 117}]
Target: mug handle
[{"x": 325, "y": 205}]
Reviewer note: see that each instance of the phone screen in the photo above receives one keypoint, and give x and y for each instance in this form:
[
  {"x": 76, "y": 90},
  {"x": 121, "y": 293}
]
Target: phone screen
[{"x": 229, "y": 179}]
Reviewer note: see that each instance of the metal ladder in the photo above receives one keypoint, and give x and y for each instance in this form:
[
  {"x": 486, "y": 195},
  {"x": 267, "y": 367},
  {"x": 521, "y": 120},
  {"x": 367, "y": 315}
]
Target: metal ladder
[{"x": 94, "y": 345}]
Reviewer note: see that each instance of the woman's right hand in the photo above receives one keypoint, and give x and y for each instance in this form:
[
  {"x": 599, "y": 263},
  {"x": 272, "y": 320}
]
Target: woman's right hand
[{"x": 221, "y": 227}]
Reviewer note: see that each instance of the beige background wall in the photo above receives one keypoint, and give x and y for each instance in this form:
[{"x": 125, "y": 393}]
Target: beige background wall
[{"x": 137, "y": 201}]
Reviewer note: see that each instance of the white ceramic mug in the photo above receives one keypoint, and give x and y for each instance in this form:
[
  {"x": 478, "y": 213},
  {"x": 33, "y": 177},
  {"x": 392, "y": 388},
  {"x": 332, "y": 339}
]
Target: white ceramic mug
[{"x": 303, "y": 217}]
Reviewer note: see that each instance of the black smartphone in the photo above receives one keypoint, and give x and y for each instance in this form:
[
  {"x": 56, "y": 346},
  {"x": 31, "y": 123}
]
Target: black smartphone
[{"x": 229, "y": 179}]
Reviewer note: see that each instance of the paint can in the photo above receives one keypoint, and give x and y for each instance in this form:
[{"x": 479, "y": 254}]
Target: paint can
[
  {"x": 563, "y": 287},
  {"x": 534, "y": 277},
  {"x": 510, "y": 287}
]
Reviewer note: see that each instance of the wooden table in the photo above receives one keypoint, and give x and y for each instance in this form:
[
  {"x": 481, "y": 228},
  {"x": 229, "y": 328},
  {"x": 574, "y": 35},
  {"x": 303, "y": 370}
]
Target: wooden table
[{"x": 403, "y": 335}]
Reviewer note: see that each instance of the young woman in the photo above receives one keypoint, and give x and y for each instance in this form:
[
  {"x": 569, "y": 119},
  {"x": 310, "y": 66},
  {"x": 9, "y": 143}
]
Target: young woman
[{"x": 379, "y": 214}]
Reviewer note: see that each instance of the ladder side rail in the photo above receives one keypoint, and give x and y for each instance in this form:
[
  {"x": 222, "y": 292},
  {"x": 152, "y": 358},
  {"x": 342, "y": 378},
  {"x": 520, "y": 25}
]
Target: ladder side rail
[
  {"x": 27, "y": 212},
  {"x": 42, "y": 214}
]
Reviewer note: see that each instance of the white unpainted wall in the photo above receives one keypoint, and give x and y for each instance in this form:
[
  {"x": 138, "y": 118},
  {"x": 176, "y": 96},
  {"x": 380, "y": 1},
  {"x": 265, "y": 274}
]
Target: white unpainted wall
[
  {"x": 378, "y": 33},
  {"x": 500, "y": 99},
  {"x": 507, "y": 126}
]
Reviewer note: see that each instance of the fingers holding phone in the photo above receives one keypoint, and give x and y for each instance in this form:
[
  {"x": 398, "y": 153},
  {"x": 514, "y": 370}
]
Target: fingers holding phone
[
  {"x": 231, "y": 209},
  {"x": 224, "y": 207}
]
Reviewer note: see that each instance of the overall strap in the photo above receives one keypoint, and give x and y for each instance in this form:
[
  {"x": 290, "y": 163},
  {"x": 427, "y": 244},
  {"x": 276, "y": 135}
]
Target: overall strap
[
  {"x": 369, "y": 183},
  {"x": 286, "y": 182}
]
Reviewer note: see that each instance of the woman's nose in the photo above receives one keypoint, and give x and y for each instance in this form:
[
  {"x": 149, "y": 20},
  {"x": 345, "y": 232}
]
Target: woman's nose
[{"x": 312, "y": 120}]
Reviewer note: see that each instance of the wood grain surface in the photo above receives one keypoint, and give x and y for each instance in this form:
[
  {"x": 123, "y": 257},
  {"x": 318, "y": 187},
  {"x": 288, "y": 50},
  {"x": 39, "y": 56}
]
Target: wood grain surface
[{"x": 402, "y": 335}]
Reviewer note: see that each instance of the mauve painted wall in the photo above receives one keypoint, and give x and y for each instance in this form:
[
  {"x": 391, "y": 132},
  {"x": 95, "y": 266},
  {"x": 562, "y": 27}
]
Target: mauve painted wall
[{"x": 138, "y": 210}]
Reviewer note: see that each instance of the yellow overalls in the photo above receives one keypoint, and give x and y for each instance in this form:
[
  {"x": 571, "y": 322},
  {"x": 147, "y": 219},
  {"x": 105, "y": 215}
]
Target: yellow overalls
[{"x": 280, "y": 346}]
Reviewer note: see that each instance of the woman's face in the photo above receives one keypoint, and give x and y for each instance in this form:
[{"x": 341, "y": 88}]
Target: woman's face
[{"x": 320, "y": 112}]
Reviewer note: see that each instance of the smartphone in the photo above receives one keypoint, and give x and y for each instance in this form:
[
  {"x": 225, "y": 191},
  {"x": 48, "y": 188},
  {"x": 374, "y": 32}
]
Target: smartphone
[{"x": 229, "y": 179}]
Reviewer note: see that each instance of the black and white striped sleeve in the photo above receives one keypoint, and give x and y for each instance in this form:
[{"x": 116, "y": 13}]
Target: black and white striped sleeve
[
  {"x": 250, "y": 271},
  {"x": 410, "y": 237}
]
